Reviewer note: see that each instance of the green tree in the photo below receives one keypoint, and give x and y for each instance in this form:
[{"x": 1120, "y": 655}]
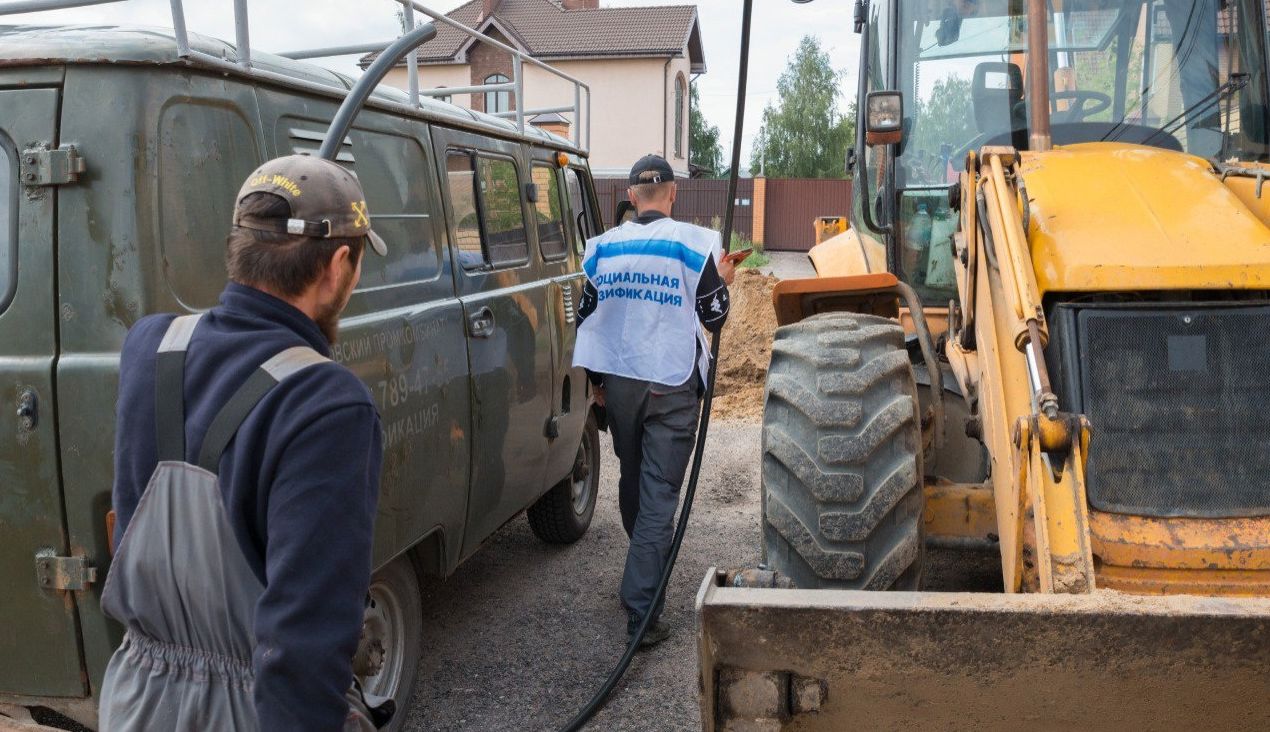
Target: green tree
[
  {"x": 703, "y": 138},
  {"x": 804, "y": 134}
]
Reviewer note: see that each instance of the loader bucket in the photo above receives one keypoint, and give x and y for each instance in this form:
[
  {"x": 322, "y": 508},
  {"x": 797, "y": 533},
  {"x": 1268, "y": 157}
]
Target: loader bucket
[{"x": 781, "y": 659}]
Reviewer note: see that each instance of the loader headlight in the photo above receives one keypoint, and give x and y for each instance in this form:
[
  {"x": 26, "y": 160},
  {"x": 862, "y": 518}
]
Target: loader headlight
[{"x": 884, "y": 117}]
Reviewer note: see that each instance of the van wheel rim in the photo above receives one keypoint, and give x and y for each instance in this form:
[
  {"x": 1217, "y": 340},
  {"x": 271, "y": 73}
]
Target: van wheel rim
[
  {"x": 387, "y": 682},
  {"x": 581, "y": 487}
]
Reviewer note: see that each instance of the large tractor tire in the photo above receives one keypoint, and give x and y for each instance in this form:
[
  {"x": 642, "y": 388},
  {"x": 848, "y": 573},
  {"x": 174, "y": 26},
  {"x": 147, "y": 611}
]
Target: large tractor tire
[{"x": 842, "y": 489}]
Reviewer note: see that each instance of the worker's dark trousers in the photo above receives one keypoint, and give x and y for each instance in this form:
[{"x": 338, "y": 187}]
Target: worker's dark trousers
[{"x": 653, "y": 428}]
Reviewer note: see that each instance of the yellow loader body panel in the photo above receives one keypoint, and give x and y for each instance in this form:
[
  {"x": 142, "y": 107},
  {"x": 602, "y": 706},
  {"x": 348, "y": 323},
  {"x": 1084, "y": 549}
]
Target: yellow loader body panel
[{"x": 1108, "y": 217}]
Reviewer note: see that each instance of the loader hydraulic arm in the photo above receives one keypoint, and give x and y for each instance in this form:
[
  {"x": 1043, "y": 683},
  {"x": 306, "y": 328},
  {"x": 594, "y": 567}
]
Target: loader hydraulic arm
[{"x": 1040, "y": 488}]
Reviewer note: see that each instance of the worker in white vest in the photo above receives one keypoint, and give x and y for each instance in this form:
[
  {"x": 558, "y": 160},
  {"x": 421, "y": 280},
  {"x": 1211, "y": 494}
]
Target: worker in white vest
[{"x": 652, "y": 283}]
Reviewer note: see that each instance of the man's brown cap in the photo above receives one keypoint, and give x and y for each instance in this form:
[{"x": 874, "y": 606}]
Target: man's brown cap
[{"x": 326, "y": 200}]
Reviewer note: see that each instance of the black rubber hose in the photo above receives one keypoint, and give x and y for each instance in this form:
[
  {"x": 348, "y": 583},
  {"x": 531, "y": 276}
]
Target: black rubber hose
[
  {"x": 597, "y": 702},
  {"x": 360, "y": 92}
]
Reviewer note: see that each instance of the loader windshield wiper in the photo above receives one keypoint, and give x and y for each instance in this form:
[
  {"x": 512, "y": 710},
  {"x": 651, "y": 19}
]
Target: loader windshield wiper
[{"x": 1236, "y": 82}]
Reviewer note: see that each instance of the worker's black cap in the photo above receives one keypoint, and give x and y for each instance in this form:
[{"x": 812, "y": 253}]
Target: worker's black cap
[{"x": 651, "y": 169}]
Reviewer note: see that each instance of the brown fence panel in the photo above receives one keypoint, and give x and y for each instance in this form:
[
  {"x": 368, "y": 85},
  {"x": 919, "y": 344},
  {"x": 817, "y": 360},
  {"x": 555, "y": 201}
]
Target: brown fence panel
[
  {"x": 793, "y": 204},
  {"x": 699, "y": 201}
]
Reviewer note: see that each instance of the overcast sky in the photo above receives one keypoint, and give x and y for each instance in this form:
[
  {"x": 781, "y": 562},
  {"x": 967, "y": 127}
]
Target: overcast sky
[{"x": 282, "y": 26}]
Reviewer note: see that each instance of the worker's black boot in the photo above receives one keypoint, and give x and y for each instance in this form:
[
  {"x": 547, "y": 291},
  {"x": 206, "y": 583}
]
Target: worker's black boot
[{"x": 656, "y": 633}]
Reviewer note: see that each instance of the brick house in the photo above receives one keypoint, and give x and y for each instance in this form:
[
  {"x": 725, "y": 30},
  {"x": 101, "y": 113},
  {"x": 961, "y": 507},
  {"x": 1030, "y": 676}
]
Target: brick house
[{"x": 638, "y": 62}]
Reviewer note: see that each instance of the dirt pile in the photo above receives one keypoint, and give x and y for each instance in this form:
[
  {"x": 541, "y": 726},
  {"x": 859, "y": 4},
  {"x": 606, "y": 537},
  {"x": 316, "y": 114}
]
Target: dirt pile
[{"x": 746, "y": 347}]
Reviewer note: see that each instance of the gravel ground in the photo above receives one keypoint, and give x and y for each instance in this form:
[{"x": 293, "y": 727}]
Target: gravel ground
[
  {"x": 521, "y": 636},
  {"x": 788, "y": 265}
]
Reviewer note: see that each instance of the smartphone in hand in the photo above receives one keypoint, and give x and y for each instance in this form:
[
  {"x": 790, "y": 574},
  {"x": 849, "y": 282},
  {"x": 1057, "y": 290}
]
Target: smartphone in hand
[{"x": 738, "y": 256}]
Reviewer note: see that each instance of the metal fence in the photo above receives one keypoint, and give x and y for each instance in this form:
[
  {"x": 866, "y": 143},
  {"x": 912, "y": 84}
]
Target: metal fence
[
  {"x": 702, "y": 202},
  {"x": 792, "y": 206},
  {"x": 787, "y": 211}
]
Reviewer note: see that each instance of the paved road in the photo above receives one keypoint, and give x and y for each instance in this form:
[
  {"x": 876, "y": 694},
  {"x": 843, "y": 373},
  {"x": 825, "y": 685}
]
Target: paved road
[
  {"x": 789, "y": 265},
  {"x": 523, "y": 633}
]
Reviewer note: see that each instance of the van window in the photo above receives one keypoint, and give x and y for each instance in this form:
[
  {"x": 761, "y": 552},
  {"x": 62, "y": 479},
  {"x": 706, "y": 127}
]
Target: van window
[
  {"x": 461, "y": 179},
  {"x": 392, "y": 170},
  {"x": 547, "y": 213},
  {"x": 501, "y": 213},
  {"x": 8, "y": 226},
  {"x": 489, "y": 222},
  {"x": 581, "y": 219}
]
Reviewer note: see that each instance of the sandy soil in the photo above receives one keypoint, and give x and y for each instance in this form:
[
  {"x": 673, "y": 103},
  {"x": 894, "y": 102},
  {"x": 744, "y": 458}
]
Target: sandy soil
[
  {"x": 746, "y": 347},
  {"x": 521, "y": 636}
]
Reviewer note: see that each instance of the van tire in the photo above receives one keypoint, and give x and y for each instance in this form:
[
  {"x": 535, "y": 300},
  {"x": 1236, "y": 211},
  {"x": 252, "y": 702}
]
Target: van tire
[
  {"x": 395, "y": 591},
  {"x": 564, "y": 513},
  {"x": 841, "y": 463}
]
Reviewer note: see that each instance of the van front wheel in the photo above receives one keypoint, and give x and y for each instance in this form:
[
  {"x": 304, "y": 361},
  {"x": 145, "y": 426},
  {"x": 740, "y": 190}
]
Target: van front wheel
[
  {"x": 387, "y": 659},
  {"x": 564, "y": 514}
]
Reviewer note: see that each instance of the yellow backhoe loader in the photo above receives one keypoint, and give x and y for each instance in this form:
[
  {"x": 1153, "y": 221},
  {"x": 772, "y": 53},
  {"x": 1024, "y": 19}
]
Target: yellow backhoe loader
[{"x": 1046, "y": 334}]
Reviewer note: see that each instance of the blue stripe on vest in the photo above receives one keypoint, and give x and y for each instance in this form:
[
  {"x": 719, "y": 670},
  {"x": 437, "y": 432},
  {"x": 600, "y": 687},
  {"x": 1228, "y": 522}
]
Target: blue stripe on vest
[{"x": 647, "y": 248}]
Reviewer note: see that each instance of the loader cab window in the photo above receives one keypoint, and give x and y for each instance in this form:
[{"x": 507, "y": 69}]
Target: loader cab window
[
  {"x": 1184, "y": 75},
  {"x": 1176, "y": 74}
]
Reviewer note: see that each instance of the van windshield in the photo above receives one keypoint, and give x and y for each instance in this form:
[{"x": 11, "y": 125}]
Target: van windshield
[{"x": 1178, "y": 74}]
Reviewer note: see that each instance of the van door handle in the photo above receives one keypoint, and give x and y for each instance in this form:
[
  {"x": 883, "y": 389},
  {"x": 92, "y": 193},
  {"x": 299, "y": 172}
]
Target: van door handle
[{"x": 481, "y": 323}]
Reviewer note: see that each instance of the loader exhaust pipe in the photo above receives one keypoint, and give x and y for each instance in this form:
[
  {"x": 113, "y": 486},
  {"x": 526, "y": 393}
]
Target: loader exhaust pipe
[{"x": 1038, "y": 76}]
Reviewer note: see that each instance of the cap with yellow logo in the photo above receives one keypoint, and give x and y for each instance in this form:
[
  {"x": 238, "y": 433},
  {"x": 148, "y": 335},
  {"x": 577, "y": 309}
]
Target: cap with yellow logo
[{"x": 326, "y": 200}]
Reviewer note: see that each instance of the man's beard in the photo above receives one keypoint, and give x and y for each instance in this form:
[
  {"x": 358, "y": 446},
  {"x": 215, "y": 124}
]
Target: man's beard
[{"x": 328, "y": 316}]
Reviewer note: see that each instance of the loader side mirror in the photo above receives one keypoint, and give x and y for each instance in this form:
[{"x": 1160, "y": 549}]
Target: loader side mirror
[
  {"x": 624, "y": 212},
  {"x": 884, "y": 118}
]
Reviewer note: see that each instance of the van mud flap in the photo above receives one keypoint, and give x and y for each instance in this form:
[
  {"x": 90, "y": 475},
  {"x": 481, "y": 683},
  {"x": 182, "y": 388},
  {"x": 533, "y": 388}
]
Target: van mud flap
[{"x": 788, "y": 659}]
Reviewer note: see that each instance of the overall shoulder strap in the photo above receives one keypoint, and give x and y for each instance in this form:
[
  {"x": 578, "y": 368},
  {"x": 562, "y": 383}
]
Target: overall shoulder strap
[
  {"x": 169, "y": 388},
  {"x": 227, "y": 421}
]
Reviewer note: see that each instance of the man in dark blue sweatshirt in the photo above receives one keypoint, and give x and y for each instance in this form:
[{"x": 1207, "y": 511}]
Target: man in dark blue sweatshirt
[{"x": 244, "y": 611}]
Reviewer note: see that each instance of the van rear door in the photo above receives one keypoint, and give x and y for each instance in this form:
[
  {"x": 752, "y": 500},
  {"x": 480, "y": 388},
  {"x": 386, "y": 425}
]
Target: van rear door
[{"x": 39, "y": 641}]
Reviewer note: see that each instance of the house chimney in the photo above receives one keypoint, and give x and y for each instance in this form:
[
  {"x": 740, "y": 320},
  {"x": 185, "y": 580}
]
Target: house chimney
[
  {"x": 488, "y": 8},
  {"x": 581, "y": 4}
]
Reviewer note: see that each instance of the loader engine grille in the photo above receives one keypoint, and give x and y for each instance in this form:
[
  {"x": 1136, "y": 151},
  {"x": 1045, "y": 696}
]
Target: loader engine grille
[{"x": 1179, "y": 399}]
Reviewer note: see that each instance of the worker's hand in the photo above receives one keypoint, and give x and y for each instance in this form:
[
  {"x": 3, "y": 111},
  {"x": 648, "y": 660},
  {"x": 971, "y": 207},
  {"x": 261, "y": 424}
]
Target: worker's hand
[
  {"x": 727, "y": 270},
  {"x": 599, "y": 395}
]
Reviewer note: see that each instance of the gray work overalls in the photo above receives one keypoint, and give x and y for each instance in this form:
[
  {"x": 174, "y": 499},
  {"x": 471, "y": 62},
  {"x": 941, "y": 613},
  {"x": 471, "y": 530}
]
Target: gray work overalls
[{"x": 179, "y": 581}]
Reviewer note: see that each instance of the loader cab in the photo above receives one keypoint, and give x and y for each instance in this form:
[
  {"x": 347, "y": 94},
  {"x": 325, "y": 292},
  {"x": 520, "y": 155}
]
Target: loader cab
[{"x": 1171, "y": 74}]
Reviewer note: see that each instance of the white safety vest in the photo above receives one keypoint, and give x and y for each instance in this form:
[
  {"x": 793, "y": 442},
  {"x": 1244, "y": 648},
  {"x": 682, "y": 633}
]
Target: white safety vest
[{"x": 645, "y": 322}]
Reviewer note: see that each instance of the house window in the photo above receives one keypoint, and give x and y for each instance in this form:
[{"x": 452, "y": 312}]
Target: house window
[
  {"x": 497, "y": 101},
  {"x": 679, "y": 116},
  {"x": 445, "y": 98}
]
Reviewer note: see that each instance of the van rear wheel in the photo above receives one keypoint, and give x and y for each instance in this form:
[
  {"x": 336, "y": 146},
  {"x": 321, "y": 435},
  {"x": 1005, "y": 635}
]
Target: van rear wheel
[
  {"x": 564, "y": 514},
  {"x": 841, "y": 470}
]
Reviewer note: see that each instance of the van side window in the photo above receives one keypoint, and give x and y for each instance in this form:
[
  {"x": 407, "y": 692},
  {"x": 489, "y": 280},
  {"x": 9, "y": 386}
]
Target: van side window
[
  {"x": 581, "y": 220},
  {"x": 460, "y": 173},
  {"x": 502, "y": 216},
  {"x": 398, "y": 198},
  {"x": 489, "y": 222},
  {"x": 8, "y": 226},
  {"x": 547, "y": 213}
]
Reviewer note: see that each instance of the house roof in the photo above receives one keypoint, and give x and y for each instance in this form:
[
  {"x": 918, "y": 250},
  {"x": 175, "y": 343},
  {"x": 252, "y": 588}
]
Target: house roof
[{"x": 544, "y": 29}]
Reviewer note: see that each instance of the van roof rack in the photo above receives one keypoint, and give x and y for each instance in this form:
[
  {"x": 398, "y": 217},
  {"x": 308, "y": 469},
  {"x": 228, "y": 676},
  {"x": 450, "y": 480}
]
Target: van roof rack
[{"x": 244, "y": 63}]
